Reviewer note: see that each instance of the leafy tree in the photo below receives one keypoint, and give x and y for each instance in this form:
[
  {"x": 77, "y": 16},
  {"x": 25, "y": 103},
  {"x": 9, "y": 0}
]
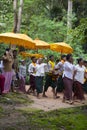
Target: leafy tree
[
  {"x": 6, "y": 15},
  {"x": 78, "y": 39},
  {"x": 17, "y": 14},
  {"x": 46, "y": 29},
  {"x": 47, "y": 20}
]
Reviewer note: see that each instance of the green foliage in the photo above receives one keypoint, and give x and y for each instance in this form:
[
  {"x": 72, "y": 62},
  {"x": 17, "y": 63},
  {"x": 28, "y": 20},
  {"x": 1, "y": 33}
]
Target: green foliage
[
  {"x": 73, "y": 118},
  {"x": 78, "y": 38},
  {"x": 46, "y": 29},
  {"x": 6, "y": 15},
  {"x": 15, "y": 99},
  {"x": 1, "y": 109},
  {"x": 2, "y": 49},
  {"x": 46, "y": 20}
]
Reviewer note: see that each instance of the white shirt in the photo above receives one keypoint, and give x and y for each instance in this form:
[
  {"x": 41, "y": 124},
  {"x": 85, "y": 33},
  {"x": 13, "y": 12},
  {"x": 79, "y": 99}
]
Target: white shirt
[
  {"x": 32, "y": 69},
  {"x": 80, "y": 71},
  {"x": 68, "y": 70},
  {"x": 40, "y": 69},
  {"x": 22, "y": 70},
  {"x": 60, "y": 67}
]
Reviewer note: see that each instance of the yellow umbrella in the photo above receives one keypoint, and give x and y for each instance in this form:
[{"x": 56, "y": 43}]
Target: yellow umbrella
[
  {"x": 39, "y": 44},
  {"x": 25, "y": 54},
  {"x": 17, "y": 39},
  {"x": 61, "y": 47}
]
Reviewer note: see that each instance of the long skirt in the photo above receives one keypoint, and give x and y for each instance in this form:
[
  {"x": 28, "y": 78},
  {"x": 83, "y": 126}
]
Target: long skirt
[
  {"x": 68, "y": 83},
  {"x": 39, "y": 84},
  {"x": 32, "y": 82},
  {"x": 78, "y": 91},
  {"x": 8, "y": 79},
  {"x": 22, "y": 84},
  {"x": 2, "y": 81}
]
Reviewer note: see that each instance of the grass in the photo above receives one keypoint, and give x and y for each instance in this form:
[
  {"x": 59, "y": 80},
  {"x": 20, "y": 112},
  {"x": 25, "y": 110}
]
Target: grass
[
  {"x": 33, "y": 119},
  {"x": 15, "y": 98},
  {"x": 64, "y": 119}
]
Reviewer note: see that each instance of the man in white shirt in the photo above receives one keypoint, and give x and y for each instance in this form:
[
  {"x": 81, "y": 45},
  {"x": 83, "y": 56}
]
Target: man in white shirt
[
  {"x": 40, "y": 73},
  {"x": 50, "y": 77}
]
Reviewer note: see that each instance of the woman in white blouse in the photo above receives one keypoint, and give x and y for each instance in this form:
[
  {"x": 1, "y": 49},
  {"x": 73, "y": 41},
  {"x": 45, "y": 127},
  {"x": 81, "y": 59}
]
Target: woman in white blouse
[
  {"x": 68, "y": 79},
  {"x": 79, "y": 80}
]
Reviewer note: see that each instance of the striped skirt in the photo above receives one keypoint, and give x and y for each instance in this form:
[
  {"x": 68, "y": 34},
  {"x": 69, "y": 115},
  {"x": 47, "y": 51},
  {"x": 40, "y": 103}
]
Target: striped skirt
[
  {"x": 78, "y": 91},
  {"x": 68, "y": 83},
  {"x": 22, "y": 84}
]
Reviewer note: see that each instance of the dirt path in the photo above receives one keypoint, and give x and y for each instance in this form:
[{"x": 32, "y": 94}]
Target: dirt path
[{"x": 49, "y": 103}]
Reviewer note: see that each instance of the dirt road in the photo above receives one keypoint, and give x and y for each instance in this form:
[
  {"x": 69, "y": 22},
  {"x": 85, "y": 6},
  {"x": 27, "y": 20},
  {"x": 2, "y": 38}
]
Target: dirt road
[{"x": 49, "y": 103}]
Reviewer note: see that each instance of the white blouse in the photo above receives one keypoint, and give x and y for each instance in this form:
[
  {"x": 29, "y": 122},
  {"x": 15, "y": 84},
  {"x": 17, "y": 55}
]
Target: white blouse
[
  {"x": 22, "y": 70},
  {"x": 80, "y": 71},
  {"x": 68, "y": 70},
  {"x": 32, "y": 69},
  {"x": 40, "y": 69}
]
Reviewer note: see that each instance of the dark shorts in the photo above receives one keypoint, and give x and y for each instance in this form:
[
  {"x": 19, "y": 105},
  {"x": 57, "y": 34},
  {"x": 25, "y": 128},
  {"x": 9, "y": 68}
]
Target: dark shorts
[{"x": 49, "y": 81}]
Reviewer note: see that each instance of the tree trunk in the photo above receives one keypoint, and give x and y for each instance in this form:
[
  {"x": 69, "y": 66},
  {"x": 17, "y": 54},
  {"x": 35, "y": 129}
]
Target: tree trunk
[
  {"x": 69, "y": 14},
  {"x": 19, "y": 15},
  {"x": 15, "y": 15}
]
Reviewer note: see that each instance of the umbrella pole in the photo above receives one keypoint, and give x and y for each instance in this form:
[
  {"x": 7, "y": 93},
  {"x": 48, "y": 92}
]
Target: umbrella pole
[
  {"x": 61, "y": 54},
  {"x": 36, "y": 51},
  {"x": 12, "y": 46}
]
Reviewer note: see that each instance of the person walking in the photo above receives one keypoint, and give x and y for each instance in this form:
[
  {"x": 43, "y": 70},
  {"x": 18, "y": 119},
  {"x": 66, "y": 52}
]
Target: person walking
[
  {"x": 68, "y": 74},
  {"x": 32, "y": 74},
  {"x": 50, "y": 79},
  {"x": 40, "y": 73},
  {"x": 79, "y": 80},
  {"x": 22, "y": 76}
]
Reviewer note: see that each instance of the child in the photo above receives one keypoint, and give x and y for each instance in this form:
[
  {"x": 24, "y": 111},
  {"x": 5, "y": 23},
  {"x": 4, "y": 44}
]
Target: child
[{"x": 22, "y": 76}]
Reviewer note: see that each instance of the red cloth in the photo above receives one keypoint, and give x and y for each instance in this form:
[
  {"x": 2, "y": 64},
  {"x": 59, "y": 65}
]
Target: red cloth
[{"x": 2, "y": 81}]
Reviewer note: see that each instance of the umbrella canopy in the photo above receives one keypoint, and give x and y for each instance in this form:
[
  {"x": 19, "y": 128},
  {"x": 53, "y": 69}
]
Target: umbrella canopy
[
  {"x": 61, "y": 47},
  {"x": 17, "y": 39},
  {"x": 25, "y": 54},
  {"x": 39, "y": 44}
]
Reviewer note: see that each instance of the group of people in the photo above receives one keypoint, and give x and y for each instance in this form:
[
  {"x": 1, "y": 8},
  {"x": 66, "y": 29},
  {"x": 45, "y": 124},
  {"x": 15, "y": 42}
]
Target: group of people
[
  {"x": 62, "y": 76},
  {"x": 11, "y": 72}
]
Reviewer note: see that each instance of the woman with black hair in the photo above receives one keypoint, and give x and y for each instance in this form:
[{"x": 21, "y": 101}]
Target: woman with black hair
[
  {"x": 79, "y": 80},
  {"x": 68, "y": 79}
]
